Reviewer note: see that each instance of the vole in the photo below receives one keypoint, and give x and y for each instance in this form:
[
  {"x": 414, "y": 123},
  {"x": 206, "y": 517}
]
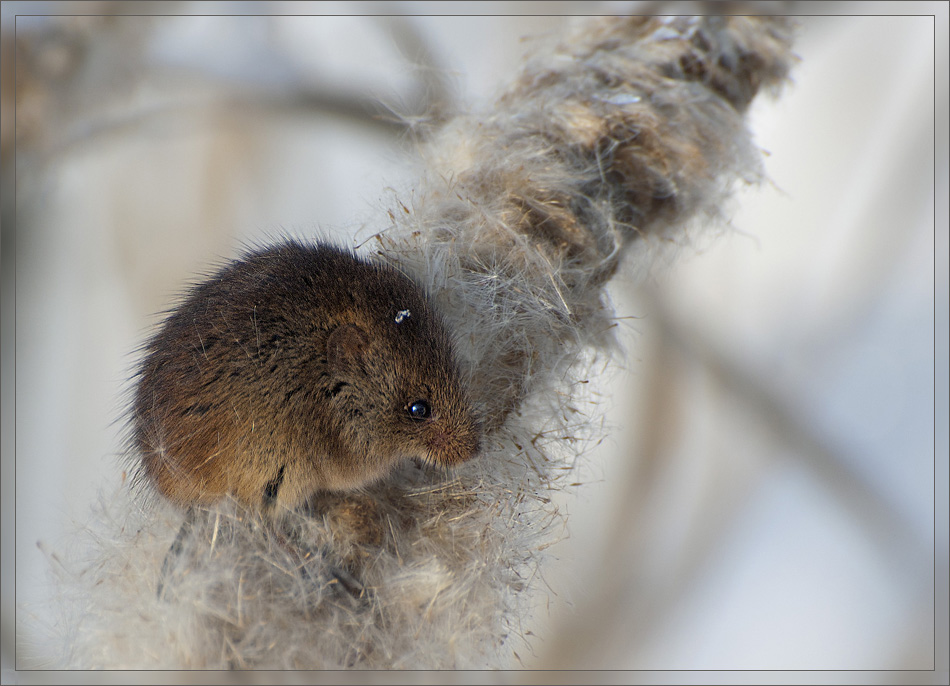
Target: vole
[{"x": 297, "y": 368}]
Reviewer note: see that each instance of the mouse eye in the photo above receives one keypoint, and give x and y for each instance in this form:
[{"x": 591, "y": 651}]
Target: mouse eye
[{"x": 419, "y": 409}]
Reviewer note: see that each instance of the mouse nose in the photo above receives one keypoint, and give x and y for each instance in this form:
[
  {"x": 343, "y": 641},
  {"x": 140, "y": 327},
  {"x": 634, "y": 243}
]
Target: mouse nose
[{"x": 449, "y": 446}]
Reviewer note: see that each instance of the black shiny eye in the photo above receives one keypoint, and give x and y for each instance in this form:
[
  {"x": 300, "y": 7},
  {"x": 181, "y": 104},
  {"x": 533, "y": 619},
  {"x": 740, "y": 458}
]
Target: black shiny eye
[{"x": 419, "y": 409}]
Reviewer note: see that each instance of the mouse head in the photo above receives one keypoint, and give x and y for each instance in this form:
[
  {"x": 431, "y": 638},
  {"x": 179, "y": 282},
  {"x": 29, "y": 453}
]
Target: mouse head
[{"x": 397, "y": 386}]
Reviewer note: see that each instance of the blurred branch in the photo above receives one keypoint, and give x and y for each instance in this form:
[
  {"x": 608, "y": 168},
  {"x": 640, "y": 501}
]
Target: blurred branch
[
  {"x": 632, "y": 591},
  {"x": 75, "y": 76},
  {"x": 897, "y": 538}
]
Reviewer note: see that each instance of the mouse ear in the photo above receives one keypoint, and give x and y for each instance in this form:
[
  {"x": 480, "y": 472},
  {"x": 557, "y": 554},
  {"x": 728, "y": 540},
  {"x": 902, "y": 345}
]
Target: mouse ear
[{"x": 345, "y": 346}]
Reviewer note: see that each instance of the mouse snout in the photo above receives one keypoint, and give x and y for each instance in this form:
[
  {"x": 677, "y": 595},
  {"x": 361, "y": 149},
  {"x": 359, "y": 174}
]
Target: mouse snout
[{"x": 450, "y": 445}]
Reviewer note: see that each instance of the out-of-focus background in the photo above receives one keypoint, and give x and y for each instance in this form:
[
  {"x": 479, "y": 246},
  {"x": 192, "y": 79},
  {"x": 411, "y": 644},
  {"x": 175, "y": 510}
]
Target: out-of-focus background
[{"x": 771, "y": 493}]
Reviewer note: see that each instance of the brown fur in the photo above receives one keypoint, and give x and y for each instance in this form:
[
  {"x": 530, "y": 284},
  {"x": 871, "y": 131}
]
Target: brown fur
[{"x": 287, "y": 373}]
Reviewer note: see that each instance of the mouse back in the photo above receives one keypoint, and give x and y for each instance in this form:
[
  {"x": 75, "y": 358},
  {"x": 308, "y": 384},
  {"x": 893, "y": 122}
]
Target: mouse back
[{"x": 299, "y": 367}]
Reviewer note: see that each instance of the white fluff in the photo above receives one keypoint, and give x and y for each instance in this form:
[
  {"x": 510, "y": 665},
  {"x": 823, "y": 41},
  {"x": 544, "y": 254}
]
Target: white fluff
[{"x": 606, "y": 146}]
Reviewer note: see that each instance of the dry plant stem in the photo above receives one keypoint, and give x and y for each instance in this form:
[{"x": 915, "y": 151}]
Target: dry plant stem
[
  {"x": 611, "y": 140},
  {"x": 606, "y": 144}
]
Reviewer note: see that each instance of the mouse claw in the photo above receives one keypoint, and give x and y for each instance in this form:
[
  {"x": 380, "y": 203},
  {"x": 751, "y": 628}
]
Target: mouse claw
[
  {"x": 326, "y": 575},
  {"x": 174, "y": 553},
  {"x": 349, "y": 583},
  {"x": 313, "y": 565}
]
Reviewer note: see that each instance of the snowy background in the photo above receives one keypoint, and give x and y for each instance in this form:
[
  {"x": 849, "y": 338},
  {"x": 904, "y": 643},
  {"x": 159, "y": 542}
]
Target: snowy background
[{"x": 771, "y": 493}]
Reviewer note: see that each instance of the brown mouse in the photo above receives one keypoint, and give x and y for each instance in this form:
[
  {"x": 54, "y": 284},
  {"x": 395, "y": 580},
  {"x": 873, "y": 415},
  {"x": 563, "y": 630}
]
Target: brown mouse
[{"x": 297, "y": 368}]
